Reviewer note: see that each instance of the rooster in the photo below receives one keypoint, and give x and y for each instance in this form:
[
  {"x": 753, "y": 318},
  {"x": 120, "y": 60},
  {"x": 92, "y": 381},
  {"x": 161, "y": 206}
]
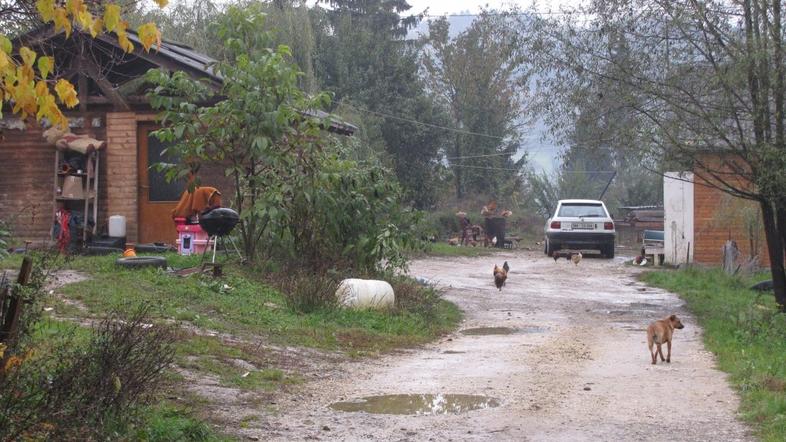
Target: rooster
[
  {"x": 500, "y": 275},
  {"x": 576, "y": 258},
  {"x": 556, "y": 255}
]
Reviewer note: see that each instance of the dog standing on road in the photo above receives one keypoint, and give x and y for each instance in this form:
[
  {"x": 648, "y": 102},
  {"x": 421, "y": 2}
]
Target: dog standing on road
[{"x": 660, "y": 332}]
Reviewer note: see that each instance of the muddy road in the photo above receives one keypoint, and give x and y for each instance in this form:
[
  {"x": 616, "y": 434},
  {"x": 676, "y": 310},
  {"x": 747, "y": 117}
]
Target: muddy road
[{"x": 571, "y": 364}]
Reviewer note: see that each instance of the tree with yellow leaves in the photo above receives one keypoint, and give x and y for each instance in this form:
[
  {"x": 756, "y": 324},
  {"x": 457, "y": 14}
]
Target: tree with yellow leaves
[{"x": 25, "y": 82}]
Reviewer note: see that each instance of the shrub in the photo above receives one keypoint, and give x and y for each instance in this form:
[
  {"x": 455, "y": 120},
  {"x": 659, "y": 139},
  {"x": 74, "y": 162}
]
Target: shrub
[
  {"x": 308, "y": 292},
  {"x": 72, "y": 388}
]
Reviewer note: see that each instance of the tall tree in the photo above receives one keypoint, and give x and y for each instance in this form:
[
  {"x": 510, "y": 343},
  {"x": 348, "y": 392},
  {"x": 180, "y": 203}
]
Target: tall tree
[
  {"x": 481, "y": 77},
  {"x": 363, "y": 57},
  {"x": 704, "y": 85}
]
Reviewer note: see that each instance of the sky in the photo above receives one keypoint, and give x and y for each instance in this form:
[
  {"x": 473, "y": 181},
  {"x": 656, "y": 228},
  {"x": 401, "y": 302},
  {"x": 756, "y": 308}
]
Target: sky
[{"x": 440, "y": 7}]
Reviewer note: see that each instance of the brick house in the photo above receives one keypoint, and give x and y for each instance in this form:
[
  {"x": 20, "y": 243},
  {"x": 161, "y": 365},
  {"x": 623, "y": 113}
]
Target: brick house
[
  {"x": 112, "y": 108},
  {"x": 699, "y": 218}
]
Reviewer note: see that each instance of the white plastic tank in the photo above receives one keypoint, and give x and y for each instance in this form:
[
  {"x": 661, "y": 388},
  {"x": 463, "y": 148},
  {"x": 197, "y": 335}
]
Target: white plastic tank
[
  {"x": 117, "y": 226},
  {"x": 365, "y": 293}
]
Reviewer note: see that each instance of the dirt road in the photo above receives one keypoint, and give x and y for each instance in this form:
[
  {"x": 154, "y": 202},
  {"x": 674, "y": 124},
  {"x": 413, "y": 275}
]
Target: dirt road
[{"x": 575, "y": 368}]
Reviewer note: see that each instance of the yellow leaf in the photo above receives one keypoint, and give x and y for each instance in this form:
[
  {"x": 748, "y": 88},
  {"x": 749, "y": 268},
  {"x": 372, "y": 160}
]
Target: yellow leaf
[
  {"x": 25, "y": 73},
  {"x": 46, "y": 107},
  {"x": 74, "y": 7},
  {"x": 125, "y": 43},
  {"x": 5, "y": 64},
  {"x": 149, "y": 34},
  {"x": 97, "y": 25},
  {"x": 66, "y": 93},
  {"x": 5, "y": 44},
  {"x": 111, "y": 17},
  {"x": 2, "y": 349},
  {"x": 45, "y": 66},
  {"x": 161, "y": 3},
  {"x": 41, "y": 89},
  {"x": 46, "y": 9},
  {"x": 62, "y": 21},
  {"x": 85, "y": 19},
  {"x": 28, "y": 56}
]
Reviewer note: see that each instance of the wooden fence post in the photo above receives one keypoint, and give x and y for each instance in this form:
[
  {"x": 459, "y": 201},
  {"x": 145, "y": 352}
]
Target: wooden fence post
[{"x": 11, "y": 304}]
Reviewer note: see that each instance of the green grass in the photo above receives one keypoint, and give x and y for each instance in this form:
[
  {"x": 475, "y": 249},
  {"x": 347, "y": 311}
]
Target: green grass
[
  {"x": 241, "y": 303},
  {"x": 166, "y": 422},
  {"x": 748, "y": 336},
  {"x": 444, "y": 249}
]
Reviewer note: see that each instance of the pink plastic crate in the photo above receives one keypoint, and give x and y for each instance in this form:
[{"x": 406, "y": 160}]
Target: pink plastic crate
[{"x": 191, "y": 239}]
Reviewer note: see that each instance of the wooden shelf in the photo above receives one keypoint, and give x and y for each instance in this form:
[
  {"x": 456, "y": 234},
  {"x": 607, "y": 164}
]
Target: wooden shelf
[{"x": 89, "y": 184}]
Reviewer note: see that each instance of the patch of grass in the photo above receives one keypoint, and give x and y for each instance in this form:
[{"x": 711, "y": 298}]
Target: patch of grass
[
  {"x": 747, "y": 334},
  {"x": 444, "y": 249},
  {"x": 242, "y": 303},
  {"x": 165, "y": 423}
]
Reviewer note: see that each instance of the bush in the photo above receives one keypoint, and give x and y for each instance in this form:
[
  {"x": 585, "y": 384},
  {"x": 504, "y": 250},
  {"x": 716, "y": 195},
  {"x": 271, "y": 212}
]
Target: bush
[
  {"x": 74, "y": 387},
  {"x": 308, "y": 292}
]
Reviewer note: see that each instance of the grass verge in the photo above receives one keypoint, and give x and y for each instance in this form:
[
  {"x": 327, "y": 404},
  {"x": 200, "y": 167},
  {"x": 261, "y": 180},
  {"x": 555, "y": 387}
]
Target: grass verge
[
  {"x": 242, "y": 303},
  {"x": 444, "y": 249},
  {"x": 746, "y": 333}
]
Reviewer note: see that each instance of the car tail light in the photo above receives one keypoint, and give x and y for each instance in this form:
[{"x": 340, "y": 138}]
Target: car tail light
[
  {"x": 608, "y": 226},
  {"x": 555, "y": 224}
]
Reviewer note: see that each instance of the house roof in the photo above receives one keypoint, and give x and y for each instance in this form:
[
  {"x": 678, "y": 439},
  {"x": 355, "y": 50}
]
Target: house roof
[{"x": 115, "y": 76}]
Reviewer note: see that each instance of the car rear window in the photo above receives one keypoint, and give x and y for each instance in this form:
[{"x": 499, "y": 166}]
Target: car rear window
[{"x": 581, "y": 210}]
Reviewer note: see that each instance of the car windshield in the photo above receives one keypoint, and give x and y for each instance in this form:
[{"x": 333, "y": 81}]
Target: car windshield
[{"x": 581, "y": 210}]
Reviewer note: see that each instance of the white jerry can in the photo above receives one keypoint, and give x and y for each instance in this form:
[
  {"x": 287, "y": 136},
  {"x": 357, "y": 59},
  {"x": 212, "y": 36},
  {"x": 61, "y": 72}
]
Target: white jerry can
[{"x": 365, "y": 293}]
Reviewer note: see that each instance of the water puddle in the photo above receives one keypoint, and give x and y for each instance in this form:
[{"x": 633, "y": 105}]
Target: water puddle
[
  {"x": 453, "y": 352},
  {"x": 417, "y": 404},
  {"x": 483, "y": 331}
]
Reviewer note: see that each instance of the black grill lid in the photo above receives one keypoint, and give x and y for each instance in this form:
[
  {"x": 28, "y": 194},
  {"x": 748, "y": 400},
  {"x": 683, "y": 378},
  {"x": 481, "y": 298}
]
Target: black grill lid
[{"x": 219, "y": 222}]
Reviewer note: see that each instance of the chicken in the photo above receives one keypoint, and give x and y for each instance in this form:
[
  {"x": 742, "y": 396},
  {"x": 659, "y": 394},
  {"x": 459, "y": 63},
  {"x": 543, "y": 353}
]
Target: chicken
[
  {"x": 555, "y": 255},
  {"x": 453, "y": 241},
  {"x": 494, "y": 241},
  {"x": 500, "y": 275},
  {"x": 576, "y": 258}
]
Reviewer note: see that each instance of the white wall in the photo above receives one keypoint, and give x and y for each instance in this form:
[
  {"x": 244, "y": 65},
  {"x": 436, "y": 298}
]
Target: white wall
[{"x": 678, "y": 216}]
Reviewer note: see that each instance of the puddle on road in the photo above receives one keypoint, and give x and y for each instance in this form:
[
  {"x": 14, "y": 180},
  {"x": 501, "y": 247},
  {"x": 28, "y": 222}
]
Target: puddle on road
[
  {"x": 484, "y": 331},
  {"x": 418, "y": 404},
  {"x": 453, "y": 352}
]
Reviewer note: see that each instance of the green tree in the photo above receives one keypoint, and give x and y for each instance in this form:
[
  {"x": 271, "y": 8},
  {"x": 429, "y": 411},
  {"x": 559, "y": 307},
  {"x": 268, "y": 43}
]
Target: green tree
[
  {"x": 481, "y": 77},
  {"x": 363, "y": 57},
  {"x": 693, "y": 82},
  {"x": 257, "y": 128}
]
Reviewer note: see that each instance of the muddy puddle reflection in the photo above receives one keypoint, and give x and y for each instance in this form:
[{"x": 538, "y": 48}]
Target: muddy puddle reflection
[
  {"x": 485, "y": 331},
  {"x": 418, "y": 404}
]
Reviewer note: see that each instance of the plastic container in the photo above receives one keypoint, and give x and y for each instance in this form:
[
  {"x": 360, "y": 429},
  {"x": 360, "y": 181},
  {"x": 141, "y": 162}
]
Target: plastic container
[
  {"x": 365, "y": 293},
  {"x": 117, "y": 226},
  {"x": 191, "y": 239}
]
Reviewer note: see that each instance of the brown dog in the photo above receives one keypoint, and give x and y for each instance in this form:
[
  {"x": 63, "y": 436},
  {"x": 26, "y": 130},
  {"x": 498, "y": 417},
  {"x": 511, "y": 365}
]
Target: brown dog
[{"x": 660, "y": 332}]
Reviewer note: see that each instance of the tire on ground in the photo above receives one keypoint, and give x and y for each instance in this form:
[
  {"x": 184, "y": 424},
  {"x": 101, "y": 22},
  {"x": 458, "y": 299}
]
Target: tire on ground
[{"x": 142, "y": 261}]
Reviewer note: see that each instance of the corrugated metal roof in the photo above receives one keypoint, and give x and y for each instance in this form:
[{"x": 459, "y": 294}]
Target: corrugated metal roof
[{"x": 182, "y": 54}]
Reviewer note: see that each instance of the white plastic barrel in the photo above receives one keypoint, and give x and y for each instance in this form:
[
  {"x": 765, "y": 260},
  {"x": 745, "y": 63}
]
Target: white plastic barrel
[
  {"x": 365, "y": 293},
  {"x": 117, "y": 226}
]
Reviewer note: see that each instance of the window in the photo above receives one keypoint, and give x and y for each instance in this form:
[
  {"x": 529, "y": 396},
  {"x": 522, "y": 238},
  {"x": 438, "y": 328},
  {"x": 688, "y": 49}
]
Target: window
[{"x": 581, "y": 210}]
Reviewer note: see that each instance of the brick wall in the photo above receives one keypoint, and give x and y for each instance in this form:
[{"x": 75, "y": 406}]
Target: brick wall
[
  {"x": 27, "y": 179},
  {"x": 121, "y": 169},
  {"x": 719, "y": 217}
]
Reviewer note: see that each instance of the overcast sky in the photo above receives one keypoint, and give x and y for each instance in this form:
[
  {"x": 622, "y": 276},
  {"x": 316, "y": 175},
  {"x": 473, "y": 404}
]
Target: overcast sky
[{"x": 440, "y": 7}]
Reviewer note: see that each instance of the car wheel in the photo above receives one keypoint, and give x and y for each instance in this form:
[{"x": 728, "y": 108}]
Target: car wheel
[
  {"x": 142, "y": 261},
  {"x": 608, "y": 251},
  {"x": 549, "y": 250}
]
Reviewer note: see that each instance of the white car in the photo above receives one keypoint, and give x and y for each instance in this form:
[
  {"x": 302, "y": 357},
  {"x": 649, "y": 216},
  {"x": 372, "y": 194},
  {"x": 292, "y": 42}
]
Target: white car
[{"x": 580, "y": 225}]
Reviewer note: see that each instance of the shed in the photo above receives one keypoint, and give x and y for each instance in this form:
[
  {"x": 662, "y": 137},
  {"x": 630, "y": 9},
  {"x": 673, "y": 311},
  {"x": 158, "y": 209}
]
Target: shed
[
  {"x": 112, "y": 108},
  {"x": 700, "y": 219}
]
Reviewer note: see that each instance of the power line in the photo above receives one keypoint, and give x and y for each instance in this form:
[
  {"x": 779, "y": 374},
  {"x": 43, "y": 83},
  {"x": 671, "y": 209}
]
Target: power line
[
  {"x": 479, "y": 156},
  {"x": 436, "y": 126}
]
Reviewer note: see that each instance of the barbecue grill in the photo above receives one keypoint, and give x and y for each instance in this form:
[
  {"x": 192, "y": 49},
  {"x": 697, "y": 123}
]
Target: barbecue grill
[{"x": 218, "y": 223}]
